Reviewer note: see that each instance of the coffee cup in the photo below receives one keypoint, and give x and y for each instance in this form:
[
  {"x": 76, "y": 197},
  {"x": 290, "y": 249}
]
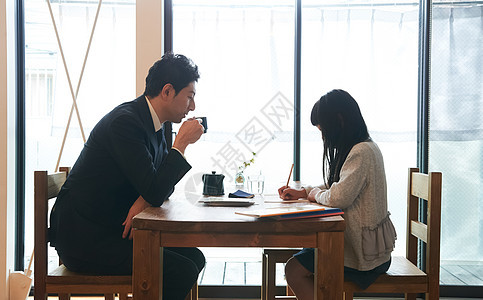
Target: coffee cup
[{"x": 203, "y": 122}]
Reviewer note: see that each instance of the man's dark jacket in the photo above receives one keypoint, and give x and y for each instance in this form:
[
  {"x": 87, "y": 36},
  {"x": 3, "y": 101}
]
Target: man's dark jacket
[{"x": 122, "y": 159}]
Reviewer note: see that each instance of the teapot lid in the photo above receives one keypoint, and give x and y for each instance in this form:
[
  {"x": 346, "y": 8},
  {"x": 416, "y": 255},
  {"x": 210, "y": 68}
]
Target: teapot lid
[{"x": 213, "y": 173}]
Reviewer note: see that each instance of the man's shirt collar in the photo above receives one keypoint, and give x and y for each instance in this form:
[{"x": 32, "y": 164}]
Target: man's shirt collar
[{"x": 157, "y": 124}]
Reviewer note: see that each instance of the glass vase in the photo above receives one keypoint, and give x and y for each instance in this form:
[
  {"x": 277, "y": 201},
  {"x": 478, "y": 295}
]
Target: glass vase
[{"x": 240, "y": 180}]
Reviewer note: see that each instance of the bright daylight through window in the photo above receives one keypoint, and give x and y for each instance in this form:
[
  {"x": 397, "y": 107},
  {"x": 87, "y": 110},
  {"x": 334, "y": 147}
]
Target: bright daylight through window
[{"x": 245, "y": 53}]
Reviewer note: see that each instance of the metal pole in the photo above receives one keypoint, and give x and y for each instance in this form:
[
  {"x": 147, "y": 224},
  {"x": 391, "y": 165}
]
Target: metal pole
[
  {"x": 20, "y": 138},
  {"x": 168, "y": 47},
  {"x": 424, "y": 82},
  {"x": 297, "y": 88}
]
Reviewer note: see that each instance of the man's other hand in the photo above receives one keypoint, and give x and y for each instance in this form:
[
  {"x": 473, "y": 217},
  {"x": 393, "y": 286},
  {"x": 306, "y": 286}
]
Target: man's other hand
[{"x": 139, "y": 205}]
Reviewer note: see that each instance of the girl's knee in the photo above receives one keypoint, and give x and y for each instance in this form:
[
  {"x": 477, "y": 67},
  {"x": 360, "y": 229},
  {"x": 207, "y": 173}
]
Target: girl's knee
[
  {"x": 294, "y": 269},
  {"x": 299, "y": 279},
  {"x": 289, "y": 265}
]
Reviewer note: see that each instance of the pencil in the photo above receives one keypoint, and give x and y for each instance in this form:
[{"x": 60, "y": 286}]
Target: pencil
[{"x": 289, "y": 175}]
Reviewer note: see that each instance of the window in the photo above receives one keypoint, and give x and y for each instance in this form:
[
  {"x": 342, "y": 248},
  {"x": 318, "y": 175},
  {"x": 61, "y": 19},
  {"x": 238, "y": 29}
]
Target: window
[
  {"x": 371, "y": 52},
  {"x": 108, "y": 79},
  {"x": 455, "y": 136},
  {"x": 39, "y": 89},
  {"x": 245, "y": 54}
]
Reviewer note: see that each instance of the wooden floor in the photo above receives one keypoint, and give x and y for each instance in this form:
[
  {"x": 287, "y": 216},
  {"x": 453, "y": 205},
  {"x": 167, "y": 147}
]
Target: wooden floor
[
  {"x": 99, "y": 298},
  {"x": 468, "y": 274},
  {"x": 235, "y": 272},
  {"x": 250, "y": 273},
  {"x": 232, "y": 273}
]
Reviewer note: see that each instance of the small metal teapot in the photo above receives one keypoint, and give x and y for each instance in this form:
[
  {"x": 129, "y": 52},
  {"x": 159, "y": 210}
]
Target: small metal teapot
[{"x": 213, "y": 184}]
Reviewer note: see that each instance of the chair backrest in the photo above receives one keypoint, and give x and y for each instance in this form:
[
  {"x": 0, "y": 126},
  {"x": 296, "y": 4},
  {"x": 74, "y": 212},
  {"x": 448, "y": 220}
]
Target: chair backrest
[
  {"x": 427, "y": 187},
  {"x": 46, "y": 187}
]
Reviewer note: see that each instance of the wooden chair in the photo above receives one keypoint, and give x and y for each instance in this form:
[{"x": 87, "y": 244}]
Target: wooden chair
[
  {"x": 62, "y": 281},
  {"x": 193, "y": 294},
  {"x": 404, "y": 276},
  {"x": 270, "y": 258}
]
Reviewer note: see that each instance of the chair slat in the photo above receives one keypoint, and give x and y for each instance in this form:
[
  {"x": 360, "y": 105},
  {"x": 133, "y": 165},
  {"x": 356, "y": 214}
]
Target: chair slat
[
  {"x": 62, "y": 275},
  {"x": 80, "y": 288},
  {"x": 420, "y": 186},
  {"x": 55, "y": 182},
  {"x": 419, "y": 230}
]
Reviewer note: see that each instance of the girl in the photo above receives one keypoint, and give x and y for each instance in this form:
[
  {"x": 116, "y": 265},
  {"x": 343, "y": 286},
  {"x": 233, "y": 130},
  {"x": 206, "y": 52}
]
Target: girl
[{"x": 355, "y": 181}]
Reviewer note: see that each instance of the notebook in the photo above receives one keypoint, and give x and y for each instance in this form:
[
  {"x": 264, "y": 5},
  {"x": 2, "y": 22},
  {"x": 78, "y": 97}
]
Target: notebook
[{"x": 287, "y": 212}]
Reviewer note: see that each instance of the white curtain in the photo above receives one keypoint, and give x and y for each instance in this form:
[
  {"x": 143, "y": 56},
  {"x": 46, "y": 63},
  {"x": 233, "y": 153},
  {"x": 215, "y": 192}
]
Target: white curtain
[
  {"x": 456, "y": 127},
  {"x": 371, "y": 51}
]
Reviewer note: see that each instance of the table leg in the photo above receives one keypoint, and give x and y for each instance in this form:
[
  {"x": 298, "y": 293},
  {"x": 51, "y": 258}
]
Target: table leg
[
  {"x": 147, "y": 263},
  {"x": 329, "y": 260}
]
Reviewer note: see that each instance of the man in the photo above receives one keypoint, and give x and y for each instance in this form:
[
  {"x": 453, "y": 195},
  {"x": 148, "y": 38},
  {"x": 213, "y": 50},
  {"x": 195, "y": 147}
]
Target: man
[{"x": 124, "y": 167}]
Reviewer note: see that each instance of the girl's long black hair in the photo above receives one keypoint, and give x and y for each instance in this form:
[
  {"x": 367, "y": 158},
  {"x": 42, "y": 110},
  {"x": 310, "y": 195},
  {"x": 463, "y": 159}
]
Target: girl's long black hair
[{"x": 339, "y": 118}]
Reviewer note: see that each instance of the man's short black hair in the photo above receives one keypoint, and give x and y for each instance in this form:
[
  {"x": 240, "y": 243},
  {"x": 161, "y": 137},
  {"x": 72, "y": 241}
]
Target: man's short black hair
[{"x": 176, "y": 69}]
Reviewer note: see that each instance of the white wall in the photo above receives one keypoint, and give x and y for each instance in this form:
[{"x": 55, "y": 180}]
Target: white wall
[
  {"x": 149, "y": 26},
  {"x": 7, "y": 135}
]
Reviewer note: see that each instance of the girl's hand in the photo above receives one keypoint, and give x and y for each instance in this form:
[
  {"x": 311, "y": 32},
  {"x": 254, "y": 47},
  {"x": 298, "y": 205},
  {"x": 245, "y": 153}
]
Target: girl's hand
[
  {"x": 287, "y": 193},
  {"x": 280, "y": 190}
]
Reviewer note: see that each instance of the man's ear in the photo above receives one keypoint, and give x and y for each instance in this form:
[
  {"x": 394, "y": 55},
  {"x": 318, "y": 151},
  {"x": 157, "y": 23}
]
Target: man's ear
[{"x": 167, "y": 89}]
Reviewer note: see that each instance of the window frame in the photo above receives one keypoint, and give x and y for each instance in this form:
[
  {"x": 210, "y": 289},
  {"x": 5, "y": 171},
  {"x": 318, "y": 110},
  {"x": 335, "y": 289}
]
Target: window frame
[{"x": 425, "y": 9}]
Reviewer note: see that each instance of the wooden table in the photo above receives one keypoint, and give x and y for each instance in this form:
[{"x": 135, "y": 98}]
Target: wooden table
[{"x": 183, "y": 222}]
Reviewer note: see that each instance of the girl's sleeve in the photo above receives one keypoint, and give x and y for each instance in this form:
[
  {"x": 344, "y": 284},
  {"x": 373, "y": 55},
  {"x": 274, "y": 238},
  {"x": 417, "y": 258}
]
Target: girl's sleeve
[
  {"x": 352, "y": 180},
  {"x": 309, "y": 188}
]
